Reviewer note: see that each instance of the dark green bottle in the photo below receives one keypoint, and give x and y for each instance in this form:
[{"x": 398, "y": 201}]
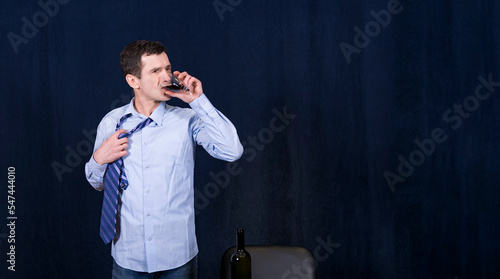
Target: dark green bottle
[{"x": 241, "y": 263}]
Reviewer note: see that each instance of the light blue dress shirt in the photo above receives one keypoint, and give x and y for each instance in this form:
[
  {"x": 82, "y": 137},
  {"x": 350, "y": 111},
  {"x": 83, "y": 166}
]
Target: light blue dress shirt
[{"x": 156, "y": 226}]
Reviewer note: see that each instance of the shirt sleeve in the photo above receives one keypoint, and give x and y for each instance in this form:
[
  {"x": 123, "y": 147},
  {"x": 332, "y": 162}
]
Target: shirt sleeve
[
  {"x": 212, "y": 130},
  {"x": 93, "y": 171}
]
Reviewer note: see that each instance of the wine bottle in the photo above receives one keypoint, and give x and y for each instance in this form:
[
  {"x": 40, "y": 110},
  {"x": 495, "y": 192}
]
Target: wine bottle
[{"x": 241, "y": 266}]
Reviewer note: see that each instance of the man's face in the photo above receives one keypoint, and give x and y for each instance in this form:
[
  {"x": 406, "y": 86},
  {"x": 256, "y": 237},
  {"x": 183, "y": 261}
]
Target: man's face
[{"x": 155, "y": 75}]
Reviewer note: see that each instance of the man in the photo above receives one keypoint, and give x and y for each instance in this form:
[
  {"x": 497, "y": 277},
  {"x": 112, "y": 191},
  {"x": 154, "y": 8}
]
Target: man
[{"x": 152, "y": 146}]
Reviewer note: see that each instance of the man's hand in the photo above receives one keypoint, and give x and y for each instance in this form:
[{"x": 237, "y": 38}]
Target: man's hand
[
  {"x": 194, "y": 85},
  {"x": 111, "y": 149}
]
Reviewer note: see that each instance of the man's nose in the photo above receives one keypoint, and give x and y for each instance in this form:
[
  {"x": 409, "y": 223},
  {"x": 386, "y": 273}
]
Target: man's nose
[{"x": 165, "y": 76}]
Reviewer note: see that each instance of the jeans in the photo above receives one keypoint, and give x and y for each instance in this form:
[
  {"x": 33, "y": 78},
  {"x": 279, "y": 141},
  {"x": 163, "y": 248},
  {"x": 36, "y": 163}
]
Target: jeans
[{"x": 187, "y": 271}]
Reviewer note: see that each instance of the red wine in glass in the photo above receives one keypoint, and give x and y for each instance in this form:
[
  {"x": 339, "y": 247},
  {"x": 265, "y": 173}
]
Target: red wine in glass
[{"x": 176, "y": 85}]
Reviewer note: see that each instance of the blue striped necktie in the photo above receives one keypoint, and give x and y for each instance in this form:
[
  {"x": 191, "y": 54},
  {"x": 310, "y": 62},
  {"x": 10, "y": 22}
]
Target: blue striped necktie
[{"x": 114, "y": 178}]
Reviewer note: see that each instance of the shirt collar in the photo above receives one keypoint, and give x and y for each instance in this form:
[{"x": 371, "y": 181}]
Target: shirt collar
[{"x": 156, "y": 116}]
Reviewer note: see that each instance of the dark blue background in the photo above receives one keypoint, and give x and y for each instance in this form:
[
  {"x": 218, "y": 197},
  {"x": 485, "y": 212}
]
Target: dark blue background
[{"x": 319, "y": 179}]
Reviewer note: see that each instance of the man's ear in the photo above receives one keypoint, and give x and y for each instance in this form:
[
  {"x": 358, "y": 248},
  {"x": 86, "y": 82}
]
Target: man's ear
[{"x": 133, "y": 81}]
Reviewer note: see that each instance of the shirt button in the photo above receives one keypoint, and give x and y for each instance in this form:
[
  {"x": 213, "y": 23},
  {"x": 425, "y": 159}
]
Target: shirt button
[
  {"x": 146, "y": 143},
  {"x": 147, "y": 191},
  {"x": 148, "y": 214},
  {"x": 147, "y": 167},
  {"x": 149, "y": 239}
]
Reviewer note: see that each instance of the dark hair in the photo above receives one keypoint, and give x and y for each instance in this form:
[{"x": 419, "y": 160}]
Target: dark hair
[{"x": 130, "y": 57}]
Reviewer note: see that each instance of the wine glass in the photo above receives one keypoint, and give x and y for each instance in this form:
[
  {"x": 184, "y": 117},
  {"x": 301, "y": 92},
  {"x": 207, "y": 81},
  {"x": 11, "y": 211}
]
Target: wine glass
[{"x": 176, "y": 85}]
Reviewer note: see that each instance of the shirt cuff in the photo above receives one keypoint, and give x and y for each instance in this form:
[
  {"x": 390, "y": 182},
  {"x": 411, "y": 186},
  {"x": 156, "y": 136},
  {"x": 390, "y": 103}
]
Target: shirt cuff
[
  {"x": 95, "y": 167},
  {"x": 202, "y": 106}
]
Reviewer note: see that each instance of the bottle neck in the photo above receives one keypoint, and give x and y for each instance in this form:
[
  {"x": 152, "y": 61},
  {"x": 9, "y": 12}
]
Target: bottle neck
[{"x": 240, "y": 240}]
